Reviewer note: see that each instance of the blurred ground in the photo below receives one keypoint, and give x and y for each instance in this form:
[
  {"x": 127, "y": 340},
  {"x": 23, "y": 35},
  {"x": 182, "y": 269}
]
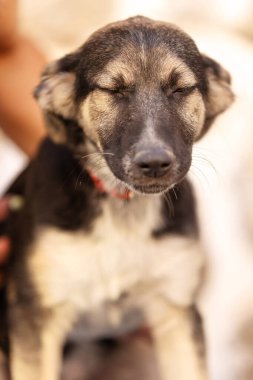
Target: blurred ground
[{"x": 222, "y": 164}]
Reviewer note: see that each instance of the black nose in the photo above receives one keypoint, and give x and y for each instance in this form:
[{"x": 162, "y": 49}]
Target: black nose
[{"x": 154, "y": 162}]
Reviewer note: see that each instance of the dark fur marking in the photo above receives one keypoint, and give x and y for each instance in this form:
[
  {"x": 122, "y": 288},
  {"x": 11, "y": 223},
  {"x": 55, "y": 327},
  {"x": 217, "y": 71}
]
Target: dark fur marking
[{"x": 180, "y": 217}]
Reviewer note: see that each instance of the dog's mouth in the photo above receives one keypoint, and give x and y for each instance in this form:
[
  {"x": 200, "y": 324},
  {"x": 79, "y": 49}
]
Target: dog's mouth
[
  {"x": 155, "y": 185},
  {"x": 150, "y": 189}
]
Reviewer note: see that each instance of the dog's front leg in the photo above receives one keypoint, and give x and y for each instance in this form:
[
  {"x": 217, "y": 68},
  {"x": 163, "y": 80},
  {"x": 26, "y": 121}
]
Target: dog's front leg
[
  {"x": 54, "y": 333},
  {"x": 24, "y": 362},
  {"x": 169, "y": 312},
  {"x": 36, "y": 345},
  {"x": 25, "y": 348},
  {"x": 36, "y": 349},
  {"x": 177, "y": 351}
]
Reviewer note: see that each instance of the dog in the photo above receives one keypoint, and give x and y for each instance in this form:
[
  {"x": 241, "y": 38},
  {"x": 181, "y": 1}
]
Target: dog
[{"x": 107, "y": 238}]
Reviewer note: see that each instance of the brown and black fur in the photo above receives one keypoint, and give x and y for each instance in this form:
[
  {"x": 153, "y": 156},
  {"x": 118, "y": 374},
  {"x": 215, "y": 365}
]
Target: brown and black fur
[{"x": 127, "y": 106}]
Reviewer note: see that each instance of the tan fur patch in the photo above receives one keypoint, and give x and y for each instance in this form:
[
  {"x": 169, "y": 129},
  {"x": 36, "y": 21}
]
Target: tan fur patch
[
  {"x": 116, "y": 70},
  {"x": 96, "y": 110},
  {"x": 220, "y": 96},
  {"x": 172, "y": 64},
  {"x": 192, "y": 111},
  {"x": 56, "y": 94}
]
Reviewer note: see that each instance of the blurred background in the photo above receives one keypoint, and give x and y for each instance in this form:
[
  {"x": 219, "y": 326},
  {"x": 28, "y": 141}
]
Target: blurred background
[{"x": 222, "y": 170}]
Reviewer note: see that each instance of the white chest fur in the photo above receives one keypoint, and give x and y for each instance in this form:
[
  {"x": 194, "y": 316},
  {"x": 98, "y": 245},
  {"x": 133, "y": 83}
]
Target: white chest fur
[{"x": 117, "y": 256}]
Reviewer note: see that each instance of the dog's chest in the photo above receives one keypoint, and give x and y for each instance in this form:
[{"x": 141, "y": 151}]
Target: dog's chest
[{"x": 118, "y": 256}]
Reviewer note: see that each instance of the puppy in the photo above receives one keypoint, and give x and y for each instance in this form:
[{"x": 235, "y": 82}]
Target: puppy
[{"x": 107, "y": 235}]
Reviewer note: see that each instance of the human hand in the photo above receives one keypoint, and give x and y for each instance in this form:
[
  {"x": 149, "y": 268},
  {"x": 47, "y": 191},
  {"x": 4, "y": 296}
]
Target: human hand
[{"x": 4, "y": 240}]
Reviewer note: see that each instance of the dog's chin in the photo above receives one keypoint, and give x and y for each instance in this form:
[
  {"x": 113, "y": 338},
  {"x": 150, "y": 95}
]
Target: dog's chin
[
  {"x": 153, "y": 187},
  {"x": 147, "y": 187},
  {"x": 150, "y": 189}
]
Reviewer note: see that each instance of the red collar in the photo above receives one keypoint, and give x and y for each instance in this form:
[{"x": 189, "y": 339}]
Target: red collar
[{"x": 126, "y": 195}]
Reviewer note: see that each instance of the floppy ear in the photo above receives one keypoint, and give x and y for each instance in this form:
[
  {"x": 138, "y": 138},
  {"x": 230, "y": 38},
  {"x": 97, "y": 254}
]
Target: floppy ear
[
  {"x": 56, "y": 96},
  {"x": 219, "y": 93}
]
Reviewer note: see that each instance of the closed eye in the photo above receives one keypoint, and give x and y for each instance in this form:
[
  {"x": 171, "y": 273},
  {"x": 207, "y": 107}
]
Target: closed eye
[
  {"x": 123, "y": 91},
  {"x": 184, "y": 90},
  {"x": 174, "y": 91},
  {"x": 107, "y": 89}
]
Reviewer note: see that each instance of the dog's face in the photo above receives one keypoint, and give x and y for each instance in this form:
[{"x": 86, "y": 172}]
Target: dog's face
[{"x": 137, "y": 95}]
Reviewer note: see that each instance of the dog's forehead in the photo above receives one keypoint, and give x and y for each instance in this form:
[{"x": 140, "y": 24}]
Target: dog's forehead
[
  {"x": 134, "y": 66},
  {"x": 141, "y": 46}
]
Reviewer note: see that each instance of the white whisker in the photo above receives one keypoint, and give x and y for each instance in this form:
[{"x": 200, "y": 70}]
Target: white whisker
[
  {"x": 169, "y": 202},
  {"x": 97, "y": 153}
]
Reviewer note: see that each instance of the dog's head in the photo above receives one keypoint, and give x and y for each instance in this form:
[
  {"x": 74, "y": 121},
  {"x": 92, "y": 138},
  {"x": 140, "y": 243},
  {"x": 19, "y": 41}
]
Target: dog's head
[{"x": 137, "y": 94}]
